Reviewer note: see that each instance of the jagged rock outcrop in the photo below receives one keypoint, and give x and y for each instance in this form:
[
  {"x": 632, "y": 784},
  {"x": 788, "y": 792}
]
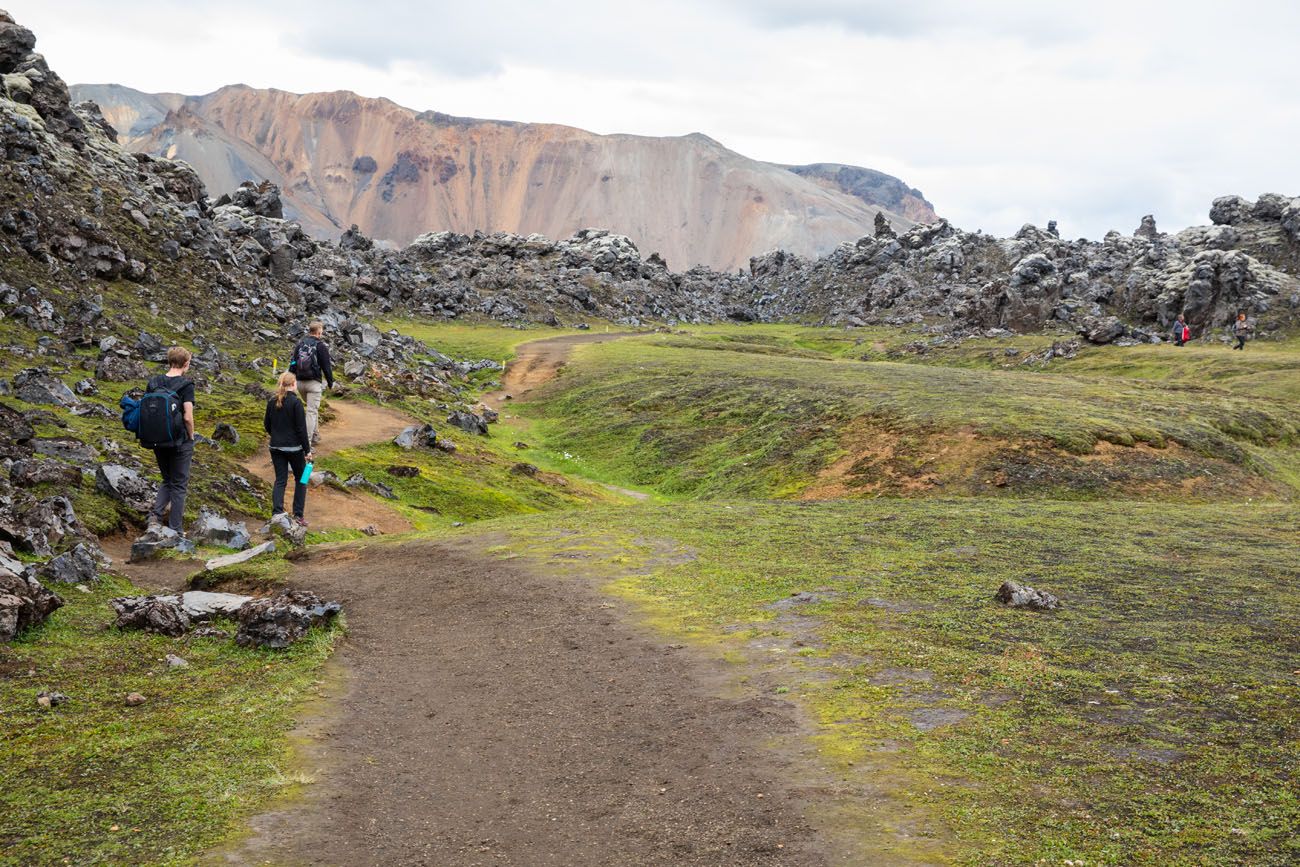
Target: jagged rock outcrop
[
  {"x": 24, "y": 601},
  {"x": 278, "y": 621}
]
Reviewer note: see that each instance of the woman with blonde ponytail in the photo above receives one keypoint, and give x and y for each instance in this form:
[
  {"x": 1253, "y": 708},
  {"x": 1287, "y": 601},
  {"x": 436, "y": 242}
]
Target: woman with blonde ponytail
[{"x": 286, "y": 422}]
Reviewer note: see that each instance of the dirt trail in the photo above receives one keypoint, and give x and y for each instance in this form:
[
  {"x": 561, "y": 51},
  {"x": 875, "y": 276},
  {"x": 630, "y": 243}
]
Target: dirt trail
[
  {"x": 355, "y": 423},
  {"x": 491, "y": 715},
  {"x": 539, "y": 362},
  {"x": 496, "y": 717}
]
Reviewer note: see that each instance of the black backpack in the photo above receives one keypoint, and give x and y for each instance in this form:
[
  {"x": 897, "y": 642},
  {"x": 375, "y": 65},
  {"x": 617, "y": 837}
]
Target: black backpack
[
  {"x": 162, "y": 418},
  {"x": 305, "y": 363}
]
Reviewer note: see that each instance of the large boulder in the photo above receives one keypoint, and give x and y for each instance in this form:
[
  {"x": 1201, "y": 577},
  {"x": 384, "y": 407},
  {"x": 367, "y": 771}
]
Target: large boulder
[
  {"x": 70, "y": 450},
  {"x": 261, "y": 199},
  {"x": 75, "y": 566},
  {"x": 1229, "y": 210},
  {"x": 125, "y": 485},
  {"x": 157, "y": 539},
  {"x": 30, "y": 472},
  {"x": 278, "y": 621},
  {"x": 16, "y": 42},
  {"x": 39, "y": 527},
  {"x": 112, "y": 367},
  {"x": 468, "y": 422},
  {"x": 416, "y": 435},
  {"x": 37, "y": 385},
  {"x": 174, "y": 615},
  {"x": 24, "y": 601},
  {"x": 163, "y": 614},
  {"x": 213, "y": 529}
]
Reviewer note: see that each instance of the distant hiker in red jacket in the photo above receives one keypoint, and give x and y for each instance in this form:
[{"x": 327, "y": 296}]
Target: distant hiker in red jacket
[
  {"x": 1241, "y": 330},
  {"x": 1180, "y": 332}
]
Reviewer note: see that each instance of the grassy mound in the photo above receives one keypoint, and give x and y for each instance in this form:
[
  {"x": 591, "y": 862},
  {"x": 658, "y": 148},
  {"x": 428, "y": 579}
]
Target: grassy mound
[{"x": 712, "y": 416}]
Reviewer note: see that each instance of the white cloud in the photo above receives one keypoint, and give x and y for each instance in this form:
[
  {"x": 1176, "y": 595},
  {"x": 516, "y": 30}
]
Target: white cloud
[{"x": 1002, "y": 111}]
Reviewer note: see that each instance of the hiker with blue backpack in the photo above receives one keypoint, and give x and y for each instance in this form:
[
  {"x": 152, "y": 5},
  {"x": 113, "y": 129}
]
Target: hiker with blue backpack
[
  {"x": 311, "y": 365},
  {"x": 163, "y": 420}
]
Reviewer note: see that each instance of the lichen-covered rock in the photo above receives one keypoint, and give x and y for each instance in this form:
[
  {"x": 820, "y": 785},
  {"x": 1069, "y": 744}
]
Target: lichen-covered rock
[
  {"x": 30, "y": 472},
  {"x": 157, "y": 539},
  {"x": 125, "y": 485},
  {"x": 225, "y": 433},
  {"x": 213, "y": 529},
  {"x": 284, "y": 526},
  {"x": 112, "y": 367},
  {"x": 468, "y": 422},
  {"x": 416, "y": 435},
  {"x": 37, "y": 385},
  {"x": 1015, "y": 595},
  {"x": 162, "y": 614},
  {"x": 24, "y": 601},
  {"x": 78, "y": 565},
  {"x": 278, "y": 621},
  {"x": 39, "y": 526},
  {"x": 360, "y": 482}
]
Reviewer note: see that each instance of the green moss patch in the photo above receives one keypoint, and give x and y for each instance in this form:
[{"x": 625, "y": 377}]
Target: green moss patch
[{"x": 96, "y": 782}]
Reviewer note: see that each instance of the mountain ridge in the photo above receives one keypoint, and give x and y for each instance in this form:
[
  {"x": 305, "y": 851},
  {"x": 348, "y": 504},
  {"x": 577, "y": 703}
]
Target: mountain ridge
[{"x": 688, "y": 197}]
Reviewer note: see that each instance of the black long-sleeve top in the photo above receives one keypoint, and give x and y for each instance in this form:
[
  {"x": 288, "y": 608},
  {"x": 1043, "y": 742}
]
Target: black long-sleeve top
[{"x": 287, "y": 424}]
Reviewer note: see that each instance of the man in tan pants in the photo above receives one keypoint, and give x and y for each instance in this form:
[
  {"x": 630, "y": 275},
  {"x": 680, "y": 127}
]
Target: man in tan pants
[{"x": 311, "y": 364}]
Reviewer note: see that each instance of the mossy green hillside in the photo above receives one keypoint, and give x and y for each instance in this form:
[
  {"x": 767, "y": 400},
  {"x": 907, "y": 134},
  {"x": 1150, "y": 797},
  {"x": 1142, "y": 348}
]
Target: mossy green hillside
[
  {"x": 96, "y": 782},
  {"x": 480, "y": 480},
  {"x": 1151, "y": 720},
  {"x": 671, "y": 412}
]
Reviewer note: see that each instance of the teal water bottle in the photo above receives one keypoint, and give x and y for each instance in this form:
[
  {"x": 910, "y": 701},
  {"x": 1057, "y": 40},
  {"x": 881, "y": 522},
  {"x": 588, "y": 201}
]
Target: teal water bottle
[{"x": 306, "y": 473}]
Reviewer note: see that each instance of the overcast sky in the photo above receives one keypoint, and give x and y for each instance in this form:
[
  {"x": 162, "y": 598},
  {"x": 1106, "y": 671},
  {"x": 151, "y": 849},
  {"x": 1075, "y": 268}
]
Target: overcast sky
[{"x": 1001, "y": 112}]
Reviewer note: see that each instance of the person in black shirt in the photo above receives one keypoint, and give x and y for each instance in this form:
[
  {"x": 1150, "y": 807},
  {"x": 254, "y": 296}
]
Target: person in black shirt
[
  {"x": 311, "y": 365},
  {"x": 174, "y": 461},
  {"x": 286, "y": 422}
]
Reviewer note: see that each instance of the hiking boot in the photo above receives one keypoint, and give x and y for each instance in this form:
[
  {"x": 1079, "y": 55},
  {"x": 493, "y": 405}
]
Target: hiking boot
[{"x": 301, "y": 522}]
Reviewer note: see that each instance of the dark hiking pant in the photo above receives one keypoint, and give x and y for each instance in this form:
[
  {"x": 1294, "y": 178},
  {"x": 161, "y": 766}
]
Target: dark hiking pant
[
  {"x": 174, "y": 464},
  {"x": 283, "y": 462},
  {"x": 1241, "y": 342}
]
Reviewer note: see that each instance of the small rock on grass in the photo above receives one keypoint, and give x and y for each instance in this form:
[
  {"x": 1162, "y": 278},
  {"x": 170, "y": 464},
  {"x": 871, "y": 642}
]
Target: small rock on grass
[
  {"x": 47, "y": 698},
  {"x": 1016, "y": 595},
  {"x": 174, "y": 661},
  {"x": 134, "y": 699}
]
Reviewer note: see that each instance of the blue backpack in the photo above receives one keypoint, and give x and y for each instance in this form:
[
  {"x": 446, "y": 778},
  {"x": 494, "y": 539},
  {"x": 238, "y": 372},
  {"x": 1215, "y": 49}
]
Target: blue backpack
[
  {"x": 157, "y": 418},
  {"x": 130, "y": 413}
]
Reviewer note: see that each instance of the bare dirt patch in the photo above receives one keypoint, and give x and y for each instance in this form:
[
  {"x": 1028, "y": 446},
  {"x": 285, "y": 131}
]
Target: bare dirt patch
[
  {"x": 877, "y": 460},
  {"x": 354, "y": 423},
  {"x": 538, "y": 362},
  {"x": 497, "y": 717}
]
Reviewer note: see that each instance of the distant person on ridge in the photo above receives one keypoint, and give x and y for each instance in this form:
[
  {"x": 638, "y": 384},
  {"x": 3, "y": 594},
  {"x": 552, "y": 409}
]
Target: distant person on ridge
[
  {"x": 1241, "y": 330},
  {"x": 311, "y": 365},
  {"x": 167, "y": 427},
  {"x": 1180, "y": 333},
  {"x": 286, "y": 422}
]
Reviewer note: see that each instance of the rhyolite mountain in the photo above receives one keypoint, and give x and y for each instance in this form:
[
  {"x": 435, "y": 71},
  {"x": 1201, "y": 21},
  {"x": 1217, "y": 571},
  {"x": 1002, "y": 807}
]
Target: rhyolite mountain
[{"x": 342, "y": 159}]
